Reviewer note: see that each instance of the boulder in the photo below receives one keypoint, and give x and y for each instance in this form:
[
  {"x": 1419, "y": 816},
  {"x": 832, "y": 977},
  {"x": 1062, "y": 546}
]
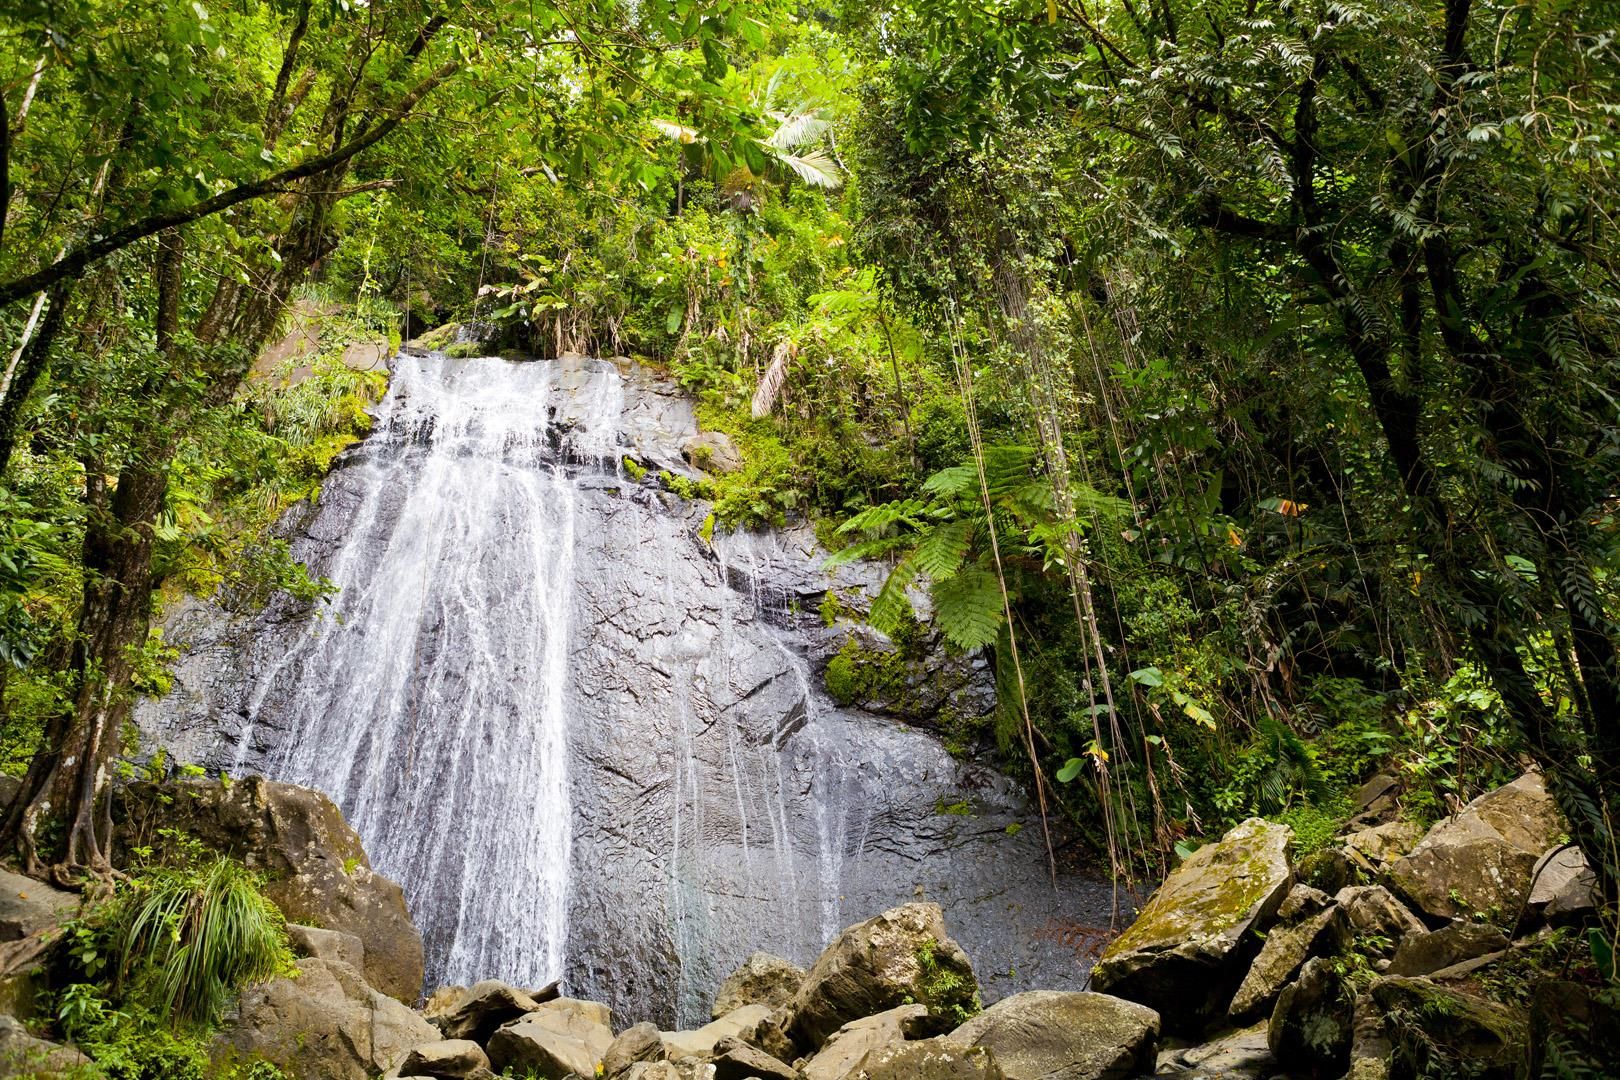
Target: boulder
[
  {"x": 485, "y": 1007},
  {"x": 653, "y": 1070},
  {"x": 1480, "y": 861},
  {"x": 1377, "y": 845},
  {"x": 634, "y": 1044},
  {"x": 701, "y": 1043},
  {"x": 1058, "y": 1035},
  {"x": 1238, "y": 1055},
  {"x": 1312, "y": 1024},
  {"x": 1376, "y": 796},
  {"x": 1311, "y": 925},
  {"x": 317, "y": 871},
  {"x": 448, "y": 1059},
  {"x": 929, "y": 1059},
  {"x": 763, "y": 979},
  {"x": 557, "y": 1038},
  {"x": 23, "y": 1055},
  {"x": 1374, "y": 911},
  {"x": 898, "y": 957},
  {"x": 327, "y": 1022},
  {"x": 1436, "y": 1032},
  {"x": 1563, "y": 887},
  {"x": 327, "y": 945},
  {"x": 1423, "y": 954},
  {"x": 1184, "y": 955},
  {"x": 713, "y": 452},
  {"x": 1329, "y": 870},
  {"x": 736, "y": 1060},
  {"x": 28, "y": 906},
  {"x": 852, "y": 1042}
]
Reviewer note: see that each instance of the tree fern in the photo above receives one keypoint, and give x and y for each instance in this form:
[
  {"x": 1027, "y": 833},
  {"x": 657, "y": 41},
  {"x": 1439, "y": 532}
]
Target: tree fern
[{"x": 968, "y": 607}]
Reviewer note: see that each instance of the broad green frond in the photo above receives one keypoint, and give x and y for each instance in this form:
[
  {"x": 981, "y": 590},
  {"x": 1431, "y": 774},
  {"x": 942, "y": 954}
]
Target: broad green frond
[
  {"x": 940, "y": 552},
  {"x": 968, "y": 607}
]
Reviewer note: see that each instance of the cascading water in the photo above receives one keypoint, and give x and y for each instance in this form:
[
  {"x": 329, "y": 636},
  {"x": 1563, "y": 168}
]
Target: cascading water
[{"x": 589, "y": 741}]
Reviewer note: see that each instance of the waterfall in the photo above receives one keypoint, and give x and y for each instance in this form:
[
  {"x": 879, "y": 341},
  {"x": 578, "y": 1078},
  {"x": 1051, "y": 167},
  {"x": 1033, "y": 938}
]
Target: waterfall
[
  {"x": 591, "y": 741},
  {"x": 429, "y": 699}
]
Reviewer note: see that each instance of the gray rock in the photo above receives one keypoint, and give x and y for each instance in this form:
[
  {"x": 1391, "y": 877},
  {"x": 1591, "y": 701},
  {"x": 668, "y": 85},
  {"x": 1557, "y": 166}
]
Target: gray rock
[
  {"x": 634, "y": 1044},
  {"x": 1480, "y": 861},
  {"x": 713, "y": 452},
  {"x": 1436, "y": 1032},
  {"x": 1328, "y": 870},
  {"x": 901, "y": 956},
  {"x": 1183, "y": 956},
  {"x": 1313, "y": 1024},
  {"x": 448, "y": 1059},
  {"x": 557, "y": 1038},
  {"x": 22, "y": 1055},
  {"x": 1422, "y": 954},
  {"x": 929, "y": 1059},
  {"x": 701, "y": 1042},
  {"x": 316, "y": 869},
  {"x": 1055, "y": 1035},
  {"x": 654, "y": 1070},
  {"x": 736, "y": 1060},
  {"x": 1237, "y": 1055},
  {"x": 1563, "y": 887},
  {"x": 762, "y": 979},
  {"x": 486, "y": 1006},
  {"x": 327, "y": 1022},
  {"x": 28, "y": 906},
  {"x": 1377, "y": 845},
  {"x": 1317, "y": 927},
  {"x": 327, "y": 945},
  {"x": 1373, "y": 910},
  {"x": 852, "y": 1042},
  {"x": 1376, "y": 795}
]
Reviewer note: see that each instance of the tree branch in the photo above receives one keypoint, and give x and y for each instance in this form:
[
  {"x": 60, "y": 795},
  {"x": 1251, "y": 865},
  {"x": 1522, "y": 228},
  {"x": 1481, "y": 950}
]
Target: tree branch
[{"x": 75, "y": 261}]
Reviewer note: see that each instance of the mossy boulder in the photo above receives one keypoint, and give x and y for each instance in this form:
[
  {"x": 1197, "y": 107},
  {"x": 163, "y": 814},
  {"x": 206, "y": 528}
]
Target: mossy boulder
[
  {"x": 1056, "y": 1035},
  {"x": 1312, "y": 1027},
  {"x": 929, "y": 1059},
  {"x": 1437, "y": 1032},
  {"x": 1310, "y": 924},
  {"x": 1479, "y": 862},
  {"x": 1190, "y": 945},
  {"x": 900, "y": 957},
  {"x": 316, "y": 869}
]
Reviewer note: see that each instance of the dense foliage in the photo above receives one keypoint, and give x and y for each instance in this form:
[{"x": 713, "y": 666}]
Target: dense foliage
[{"x": 1241, "y": 375}]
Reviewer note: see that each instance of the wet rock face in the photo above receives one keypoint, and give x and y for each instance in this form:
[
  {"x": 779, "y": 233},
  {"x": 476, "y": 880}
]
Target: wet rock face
[{"x": 589, "y": 743}]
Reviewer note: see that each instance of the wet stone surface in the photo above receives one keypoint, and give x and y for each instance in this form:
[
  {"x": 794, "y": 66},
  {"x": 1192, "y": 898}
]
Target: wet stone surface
[{"x": 590, "y": 743}]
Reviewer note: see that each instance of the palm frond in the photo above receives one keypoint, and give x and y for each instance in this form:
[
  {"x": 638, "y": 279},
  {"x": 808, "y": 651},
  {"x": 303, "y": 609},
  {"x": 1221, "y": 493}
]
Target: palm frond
[{"x": 775, "y": 377}]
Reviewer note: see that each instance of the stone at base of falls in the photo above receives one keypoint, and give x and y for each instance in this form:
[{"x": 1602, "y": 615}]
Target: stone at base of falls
[
  {"x": 1373, "y": 911},
  {"x": 317, "y": 870},
  {"x": 634, "y": 1044},
  {"x": 1312, "y": 1025},
  {"x": 327, "y": 1023},
  {"x": 1463, "y": 939},
  {"x": 448, "y": 1059},
  {"x": 1440, "y": 1033},
  {"x": 929, "y": 1059},
  {"x": 484, "y": 1008},
  {"x": 27, "y": 905},
  {"x": 851, "y": 1043},
  {"x": 1481, "y": 859},
  {"x": 23, "y": 1055},
  {"x": 762, "y": 979},
  {"x": 1238, "y": 1055},
  {"x": 558, "y": 1038},
  {"x": 1310, "y": 923},
  {"x": 1061, "y": 1035},
  {"x": 1187, "y": 950},
  {"x": 327, "y": 945},
  {"x": 901, "y": 956},
  {"x": 736, "y": 1060},
  {"x": 682, "y": 1045}
]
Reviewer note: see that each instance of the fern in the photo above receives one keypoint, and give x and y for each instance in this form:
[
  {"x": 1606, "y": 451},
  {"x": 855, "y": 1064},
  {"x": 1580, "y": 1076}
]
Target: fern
[
  {"x": 968, "y": 607},
  {"x": 892, "y": 608},
  {"x": 940, "y": 552}
]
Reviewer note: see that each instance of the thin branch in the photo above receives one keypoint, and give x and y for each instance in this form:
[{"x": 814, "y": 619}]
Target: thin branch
[{"x": 75, "y": 261}]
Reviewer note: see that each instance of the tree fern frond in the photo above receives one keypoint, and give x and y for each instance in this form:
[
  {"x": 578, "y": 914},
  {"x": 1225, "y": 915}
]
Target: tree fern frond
[
  {"x": 968, "y": 607},
  {"x": 940, "y": 552}
]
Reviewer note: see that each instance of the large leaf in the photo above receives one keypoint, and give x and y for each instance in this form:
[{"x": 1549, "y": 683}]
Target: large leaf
[
  {"x": 796, "y": 131},
  {"x": 968, "y": 607},
  {"x": 940, "y": 552},
  {"x": 892, "y": 607},
  {"x": 814, "y": 168}
]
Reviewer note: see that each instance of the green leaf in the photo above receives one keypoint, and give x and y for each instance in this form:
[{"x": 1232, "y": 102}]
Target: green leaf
[
  {"x": 1071, "y": 769},
  {"x": 968, "y": 605}
]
